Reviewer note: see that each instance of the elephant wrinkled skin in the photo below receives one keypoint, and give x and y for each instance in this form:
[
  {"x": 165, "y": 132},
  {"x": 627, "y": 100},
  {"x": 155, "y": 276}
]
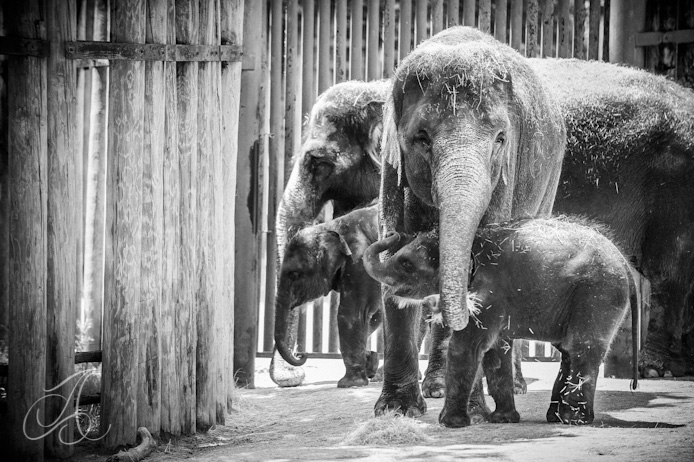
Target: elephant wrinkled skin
[
  {"x": 553, "y": 280},
  {"x": 470, "y": 137},
  {"x": 326, "y": 257},
  {"x": 339, "y": 161}
]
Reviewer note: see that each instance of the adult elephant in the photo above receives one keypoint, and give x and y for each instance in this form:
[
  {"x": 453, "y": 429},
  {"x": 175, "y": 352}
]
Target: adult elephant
[
  {"x": 470, "y": 137},
  {"x": 340, "y": 162},
  {"x": 629, "y": 164}
]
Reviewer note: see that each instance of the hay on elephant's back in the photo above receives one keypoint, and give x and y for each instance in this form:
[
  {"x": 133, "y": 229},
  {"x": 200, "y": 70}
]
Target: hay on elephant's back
[{"x": 388, "y": 429}]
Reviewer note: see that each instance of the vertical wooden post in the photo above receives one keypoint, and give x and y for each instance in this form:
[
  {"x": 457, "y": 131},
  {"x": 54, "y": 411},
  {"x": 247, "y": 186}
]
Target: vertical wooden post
[
  {"x": 356, "y": 55},
  {"x": 548, "y": 29},
  {"x": 28, "y": 187},
  {"x": 64, "y": 225},
  {"x": 206, "y": 170},
  {"x": 292, "y": 134},
  {"x": 532, "y": 46},
  {"x": 405, "y": 40},
  {"x": 123, "y": 241},
  {"x": 389, "y": 38},
  {"x": 579, "y": 29},
  {"x": 4, "y": 201},
  {"x": 228, "y": 99},
  {"x": 341, "y": 63},
  {"x": 594, "y": 29},
  {"x": 626, "y": 18},
  {"x": 149, "y": 362},
  {"x": 171, "y": 382},
  {"x": 187, "y": 32},
  {"x": 516, "y": 24},
  {"x": 485, "y": 16},
  {"x": 275, "y": 167},
  {"x": 325, "y": 77},
  {"x": 373, "y": 71},
  {"x": 500, "y": 22},
  {"x": 421, "y": 21},
  {"x": 436, "y": 16},
  {"x": 564, "y": 45},
  {"x": 453, "y": 13},
  {"x": 469, "y": 13},
  {"x": 251, "y": 126}
]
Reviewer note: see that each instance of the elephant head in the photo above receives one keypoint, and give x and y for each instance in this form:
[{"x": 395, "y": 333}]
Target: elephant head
[
  {"x": 339, "y": 158},
  {"x": 313, "y": 264},
  {"x": 412, "y": 270},
  {"x": 471, "y": 132}
]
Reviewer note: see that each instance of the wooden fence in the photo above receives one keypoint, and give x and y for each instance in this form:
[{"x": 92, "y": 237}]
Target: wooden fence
[{"x": 134, "y": 105}]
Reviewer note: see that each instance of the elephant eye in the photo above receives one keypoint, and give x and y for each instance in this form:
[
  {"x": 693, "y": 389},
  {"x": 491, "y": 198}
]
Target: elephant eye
[
  {"x": 293, "y": 275},
  {"x": 500, "y": 138},
  {"x": 422, "y": 138},
  {"x": 407, "y": 266}
]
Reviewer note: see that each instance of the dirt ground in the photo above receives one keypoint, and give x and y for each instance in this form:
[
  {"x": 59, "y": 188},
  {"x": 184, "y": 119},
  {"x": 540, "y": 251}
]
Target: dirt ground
[{"x": 312, "y": 422}]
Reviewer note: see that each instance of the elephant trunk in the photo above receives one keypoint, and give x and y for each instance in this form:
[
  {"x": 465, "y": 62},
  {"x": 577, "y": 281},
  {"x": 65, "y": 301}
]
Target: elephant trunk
[
  {"x": 285, "y": 320},
  {"x": 378, "y": 270},
  {"x": 463, "y": 192}
]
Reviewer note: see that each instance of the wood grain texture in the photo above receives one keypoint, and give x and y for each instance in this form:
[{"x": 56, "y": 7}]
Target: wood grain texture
[
  {"x": 485, "y": 16},
  {"x": 580, "y": 15},
  {"x": 187, "y": 32},
  {"x": 292, "y": 113},
  {"x": 231, "y": 29},
  {"x": 389, "y": 38},
  {"x": 341, "y": 63},
  {"x": 248, "y": 199},
  {"x": 123, "y": 238},
  {"x": 421, "y": 18},
  {"x": 436, "y": 16},
  {"x": 64, "y": 226},
  {"x": 500, "y": 22},
  {"x": 405, "y": 38},
  {"x": 517, "y": 24},
  {"x": 564, "y": 30},
  {"x": 357, "y": 41},
  {"x": 28, "y": 189},
  {"x": 149, "y": 364},
  {"x": 325, "y": 64},
  {"x": 373, "y": 70},
  {"x": 547, "y": 28},
  {"x": 594, "y": 29},
  {"x": 453, "y": 13},
  {"x": 532, "y": 45}
]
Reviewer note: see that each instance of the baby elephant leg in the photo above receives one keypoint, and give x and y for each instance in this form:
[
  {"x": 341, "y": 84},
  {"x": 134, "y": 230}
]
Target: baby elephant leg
[
  {"x": 499, "y": 375},
  {"x": 553, "y": 415},
  {"x": 353, "y": 333},
  {"x": 577, "y": 388}
]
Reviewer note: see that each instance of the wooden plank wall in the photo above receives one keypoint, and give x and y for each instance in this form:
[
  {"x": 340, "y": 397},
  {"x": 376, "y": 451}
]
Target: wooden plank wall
[{"x": 380, "y": 35}]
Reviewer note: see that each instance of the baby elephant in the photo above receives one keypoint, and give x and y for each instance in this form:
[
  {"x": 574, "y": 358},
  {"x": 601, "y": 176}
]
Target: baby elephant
[
  {"x": 327, "y": 257},
  {"x": 555, "y": 280}
]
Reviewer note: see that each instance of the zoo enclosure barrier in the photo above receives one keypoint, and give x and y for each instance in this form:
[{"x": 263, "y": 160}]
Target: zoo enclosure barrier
[{"x": 118, "y": 180}]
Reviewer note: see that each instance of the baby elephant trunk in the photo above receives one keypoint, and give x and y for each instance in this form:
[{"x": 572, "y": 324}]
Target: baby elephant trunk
[{"x": 377, "y": 269}]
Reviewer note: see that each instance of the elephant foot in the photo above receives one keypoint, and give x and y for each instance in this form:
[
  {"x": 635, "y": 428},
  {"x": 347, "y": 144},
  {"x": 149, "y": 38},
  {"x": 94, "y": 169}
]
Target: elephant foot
[
  {"x": 553, "y": 413},
  {"x": 454, "y": 417},
  {"x": 504, "y": 416},
  {"x": 372, "y": 364},
  {"x": 352, "y": 379},
  {"x": 406, "y": 400},
  {"x": 573, "y": 409},
  {"x": 284, "y": 374},
  {"x": 477, "y": 407},
  {"x": 434, "y": 386}
]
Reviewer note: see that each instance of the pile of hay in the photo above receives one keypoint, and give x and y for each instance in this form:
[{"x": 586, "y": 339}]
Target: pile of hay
[{"x": 389, "y": 429}]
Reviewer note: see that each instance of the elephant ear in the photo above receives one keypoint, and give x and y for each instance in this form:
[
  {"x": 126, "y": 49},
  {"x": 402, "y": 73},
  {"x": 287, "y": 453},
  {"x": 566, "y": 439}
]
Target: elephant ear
[{"x": 335, "y": 253}]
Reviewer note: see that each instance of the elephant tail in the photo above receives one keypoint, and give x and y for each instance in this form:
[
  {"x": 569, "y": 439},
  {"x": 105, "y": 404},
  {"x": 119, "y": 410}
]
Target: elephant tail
[{"x": 635, "y": 326}]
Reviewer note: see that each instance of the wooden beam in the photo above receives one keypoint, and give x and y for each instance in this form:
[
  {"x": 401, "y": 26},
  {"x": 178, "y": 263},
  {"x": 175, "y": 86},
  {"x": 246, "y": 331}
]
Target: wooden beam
[
  {"x": 648, "y": 39},
  {"x": 421, "y": 21},
  {"x": 516, "y": 24},
  {"x": 341, "y": 63},
  {"x": 500, "y": 21},
  {"x": 152, "y": 51},
  {"x": 28, "y": 188},
  {"x": 373, "y": 33},
  {"x": 436, "y": 16},
  {"x": 123, "y": 240},
  {"x": 356, "y": 53},
  {"x": 564, "y": 30},
  {"x": 65, "y": 198},
  {"x": 389, "y": 38},
  {"x": 532, "y": 45},
  {"x": 405, "y": 39},
  {"x": 19, "y": 46},
  {"x": 469, "y": 13}
]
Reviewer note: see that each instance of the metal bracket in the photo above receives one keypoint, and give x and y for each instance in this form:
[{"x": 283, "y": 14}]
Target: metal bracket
[{"x": 152, "y": 52}]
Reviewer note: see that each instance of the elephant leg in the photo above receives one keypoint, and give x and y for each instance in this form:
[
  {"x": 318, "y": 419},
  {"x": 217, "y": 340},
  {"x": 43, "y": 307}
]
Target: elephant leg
[
  {"x": 500, "y": 382},
  {"x": 519, "y": 385},
  {"x": 564, "y": 371},
  {"x": 465, "y": 351},
  {"x": 434, "y": 383},
  {"x": 353, "y": 331},
  {"x": 663, "y": 349},
  {"x": 400, "y": 392}
]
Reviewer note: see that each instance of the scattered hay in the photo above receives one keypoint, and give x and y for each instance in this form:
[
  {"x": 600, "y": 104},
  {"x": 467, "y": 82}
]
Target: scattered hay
[{"x": 388, "y": 429}]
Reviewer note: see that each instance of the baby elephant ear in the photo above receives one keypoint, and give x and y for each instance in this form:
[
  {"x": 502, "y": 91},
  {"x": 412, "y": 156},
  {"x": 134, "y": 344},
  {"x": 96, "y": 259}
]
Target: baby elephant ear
[{"x": 344, "y": 248}]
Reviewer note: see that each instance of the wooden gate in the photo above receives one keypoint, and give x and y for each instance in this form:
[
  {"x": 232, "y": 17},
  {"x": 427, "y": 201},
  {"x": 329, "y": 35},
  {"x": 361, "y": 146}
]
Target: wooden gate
[{"x": 142, "y": 99}]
